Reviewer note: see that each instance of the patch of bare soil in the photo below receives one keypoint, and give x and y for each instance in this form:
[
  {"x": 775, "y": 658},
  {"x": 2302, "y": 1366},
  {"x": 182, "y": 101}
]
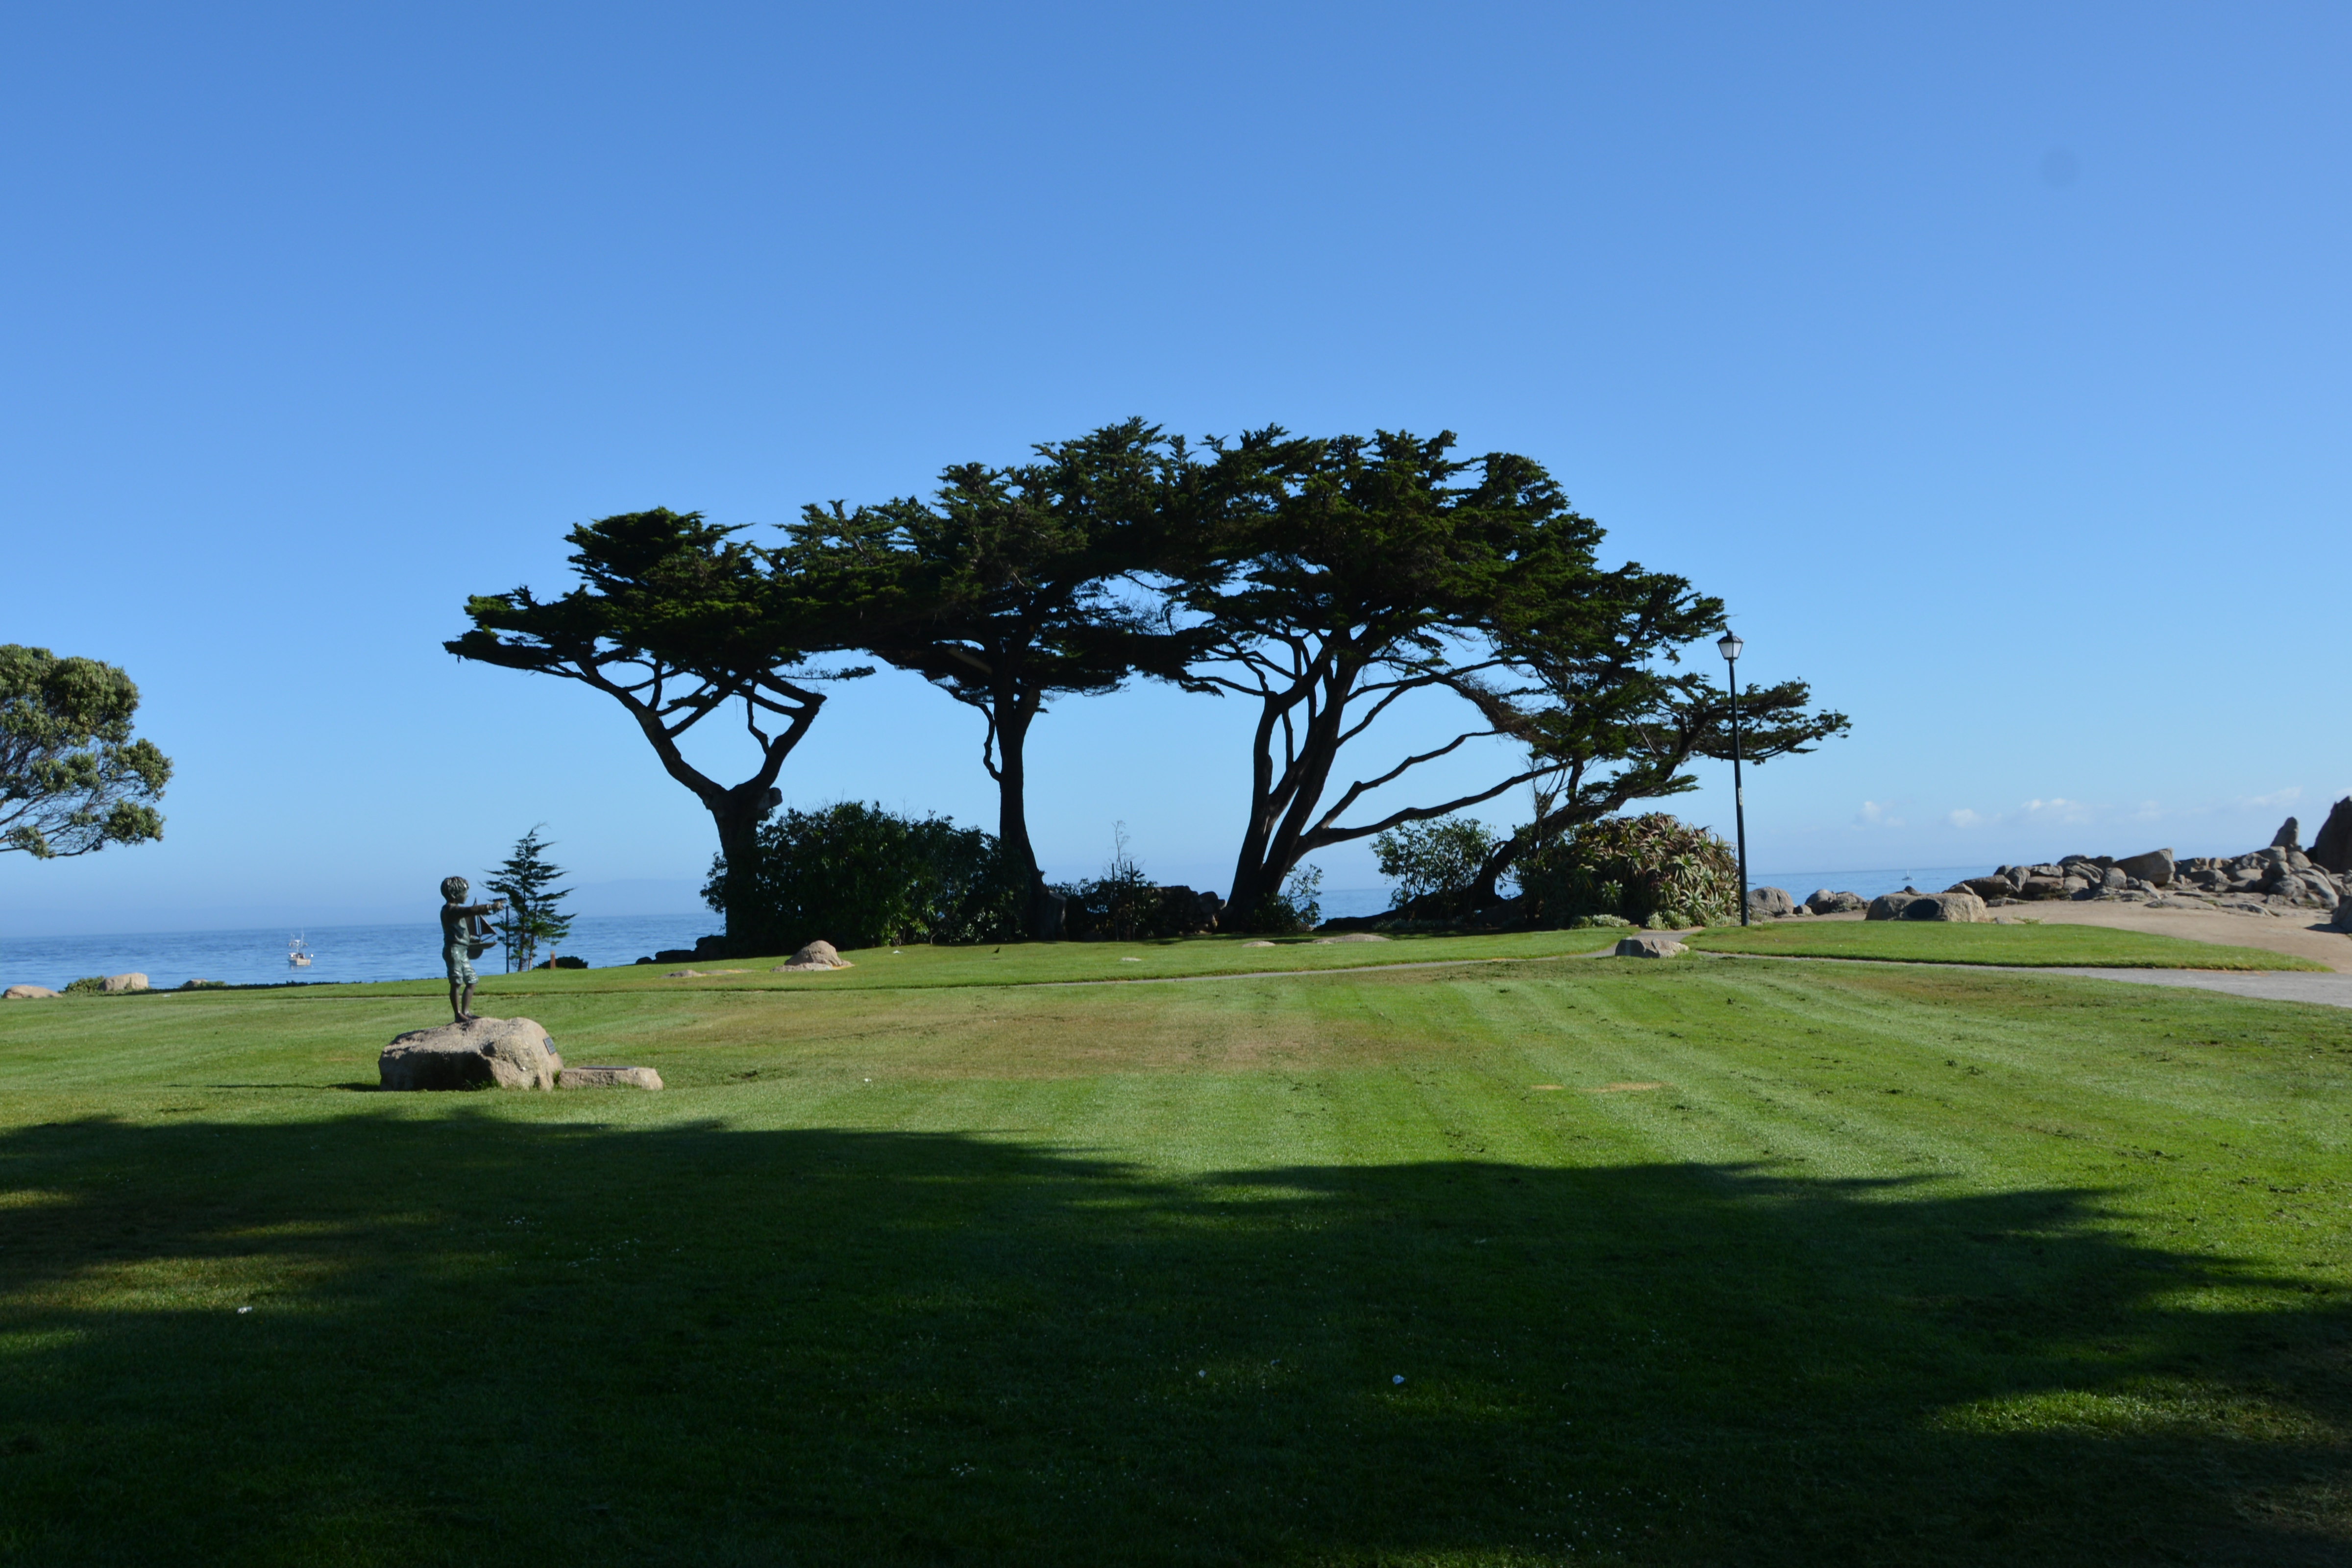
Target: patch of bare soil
[
  {"x": 1043, "y": 1034},
  {"x": 2298, "y": 933},
  {"x": 2303, "y": 933}
]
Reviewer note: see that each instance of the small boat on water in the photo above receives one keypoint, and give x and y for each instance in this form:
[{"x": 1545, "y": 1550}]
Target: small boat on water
[{"x": 297, "y": 953}]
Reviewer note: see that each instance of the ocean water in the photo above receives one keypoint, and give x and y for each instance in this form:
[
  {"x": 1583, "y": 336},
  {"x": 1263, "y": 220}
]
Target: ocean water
[
  {"x": 1869, "y": 884},
  {"x": 1338, "y": 901},
  {"x": 340, "y": 952},
  {"x": 343, "y": 953}
]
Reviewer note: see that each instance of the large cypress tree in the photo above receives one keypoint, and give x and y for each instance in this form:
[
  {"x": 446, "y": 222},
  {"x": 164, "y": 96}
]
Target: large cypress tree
[
  {"x": 1339, "y": 579},
  {"x": 1014, "y": 586},
  {"x": 676, "y": 619}
]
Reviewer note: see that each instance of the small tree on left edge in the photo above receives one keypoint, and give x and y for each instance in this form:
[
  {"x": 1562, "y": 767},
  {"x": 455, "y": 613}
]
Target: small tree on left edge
[
  {"x": 534, "y": 914},
  {"x": 71, "y": 778}
]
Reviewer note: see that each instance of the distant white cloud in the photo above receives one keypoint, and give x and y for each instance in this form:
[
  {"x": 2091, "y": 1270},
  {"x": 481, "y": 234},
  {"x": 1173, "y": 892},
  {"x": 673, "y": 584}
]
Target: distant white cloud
[
  {"x": 2057, "y": 809},
  {"x": 2132, "y": 819}
]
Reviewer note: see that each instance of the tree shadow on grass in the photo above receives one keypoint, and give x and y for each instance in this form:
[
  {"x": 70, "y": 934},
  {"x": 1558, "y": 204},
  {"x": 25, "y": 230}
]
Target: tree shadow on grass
[{"x": 479, "y": 1340}]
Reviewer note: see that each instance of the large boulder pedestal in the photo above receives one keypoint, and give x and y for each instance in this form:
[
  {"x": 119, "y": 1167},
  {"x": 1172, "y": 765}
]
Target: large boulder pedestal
[
  {"x": 1649, "y": 944},
  {"x": 815, "y": 956},
  {"x": 1908, "y": 905},
  {"x": 488, "y": 1053}
]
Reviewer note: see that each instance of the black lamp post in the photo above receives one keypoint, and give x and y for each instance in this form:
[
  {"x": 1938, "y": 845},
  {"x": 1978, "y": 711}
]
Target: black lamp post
[{"x": 1729, "y": 648}]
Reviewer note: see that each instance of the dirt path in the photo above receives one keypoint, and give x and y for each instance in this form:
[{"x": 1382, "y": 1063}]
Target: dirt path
[{"x": 2303, "y": 934}]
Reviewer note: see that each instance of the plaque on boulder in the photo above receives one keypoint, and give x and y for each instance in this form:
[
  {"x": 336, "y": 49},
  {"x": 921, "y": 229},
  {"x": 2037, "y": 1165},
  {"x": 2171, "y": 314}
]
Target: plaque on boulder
[
  {"x": 480, "y": 1053},
  {"x": 608, "y": 1078}
]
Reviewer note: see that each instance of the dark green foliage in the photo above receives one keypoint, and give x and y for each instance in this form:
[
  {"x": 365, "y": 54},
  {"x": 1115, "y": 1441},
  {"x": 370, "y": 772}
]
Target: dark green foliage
[
  {"x": 1014, "y": 586},
  {"x": 534, "y": 912},
  {"x": 1125, "y": 905},
  {"x": 87, "y": 986},
  {"x": 71, "y": 778},
  {"x": 1645, "y": 869},
  {"x": 1341, "y": 576},
  {"x": 1296, "y": 909},
  {"x": 1120, "y": 905},
  {"x": 1434, "y": 864},
  {"x": 859, "y": 876},
  {"x": 1592, "y": 689}
]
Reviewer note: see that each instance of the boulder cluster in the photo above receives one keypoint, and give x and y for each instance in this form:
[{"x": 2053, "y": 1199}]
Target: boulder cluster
[
  {"x": 103, "y": 984},
  {"x": 2281, "y": 879},
  {"x": 1774, "y": 903}
]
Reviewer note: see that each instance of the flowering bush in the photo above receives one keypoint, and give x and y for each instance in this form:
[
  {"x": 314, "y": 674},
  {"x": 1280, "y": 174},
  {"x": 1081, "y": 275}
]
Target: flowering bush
[{"x": 1650, "y": 869}]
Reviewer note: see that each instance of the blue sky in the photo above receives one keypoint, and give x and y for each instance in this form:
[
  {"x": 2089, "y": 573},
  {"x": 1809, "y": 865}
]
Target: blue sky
[{"x": 1991, "y": 363}]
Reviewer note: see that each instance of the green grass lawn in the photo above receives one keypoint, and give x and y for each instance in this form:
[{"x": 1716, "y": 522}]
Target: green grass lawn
[
  {"x": 1934, "y": 942},
  {"x": 1541, "y": 1262},
  {"x": 1023, "y": 964}
]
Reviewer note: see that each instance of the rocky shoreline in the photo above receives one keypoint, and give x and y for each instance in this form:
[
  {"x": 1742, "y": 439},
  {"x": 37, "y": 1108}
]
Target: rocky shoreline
[{"x": 2281, "y": 880}]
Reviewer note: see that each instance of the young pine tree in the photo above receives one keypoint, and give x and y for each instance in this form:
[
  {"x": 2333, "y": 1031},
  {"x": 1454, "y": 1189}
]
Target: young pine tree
[{"x": 534, "y": 912}]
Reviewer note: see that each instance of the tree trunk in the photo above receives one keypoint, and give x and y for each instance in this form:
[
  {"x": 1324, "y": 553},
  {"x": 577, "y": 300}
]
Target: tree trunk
[
  {"x": 1013, "y": 717},
  {"x": 738, "y": 817},
  {"x": 1282, "y": 808},
  {"x": 1249, "y": 867}
]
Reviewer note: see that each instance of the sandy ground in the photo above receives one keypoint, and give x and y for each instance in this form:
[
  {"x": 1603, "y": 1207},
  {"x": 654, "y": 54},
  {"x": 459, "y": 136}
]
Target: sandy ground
[{"x": 2302, "y": 932}]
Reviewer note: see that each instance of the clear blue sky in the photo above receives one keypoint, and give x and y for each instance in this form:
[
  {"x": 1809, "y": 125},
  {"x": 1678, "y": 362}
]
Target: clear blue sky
[{"x": 1991, "y": 363}]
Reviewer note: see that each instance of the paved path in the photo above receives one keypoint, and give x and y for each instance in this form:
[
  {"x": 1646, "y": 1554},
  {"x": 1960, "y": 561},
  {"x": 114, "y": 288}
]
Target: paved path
[
  {"x": 2326, "y": 990},
  {"x": 2321, "y": 990}
]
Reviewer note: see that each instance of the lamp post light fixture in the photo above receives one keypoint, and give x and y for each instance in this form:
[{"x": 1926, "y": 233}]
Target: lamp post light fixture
[{"x": 1729, "y": 648}]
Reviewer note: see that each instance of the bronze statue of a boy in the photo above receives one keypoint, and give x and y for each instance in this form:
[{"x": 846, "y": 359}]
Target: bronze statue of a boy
[{"x": 463, "y": 938}]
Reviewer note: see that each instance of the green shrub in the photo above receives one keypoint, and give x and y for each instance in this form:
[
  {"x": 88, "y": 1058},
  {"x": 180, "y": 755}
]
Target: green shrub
[
  {"x": 203, "y": 984},
  {"x": 1652, "y": 871},
  {"x": 1433, "y": 864},
  {"x": 1125, "y": 905},
  {"x": 87, "y": 986},
  {"x": 1297, "y": 908},
  {"x": 859, "y": 876}
]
